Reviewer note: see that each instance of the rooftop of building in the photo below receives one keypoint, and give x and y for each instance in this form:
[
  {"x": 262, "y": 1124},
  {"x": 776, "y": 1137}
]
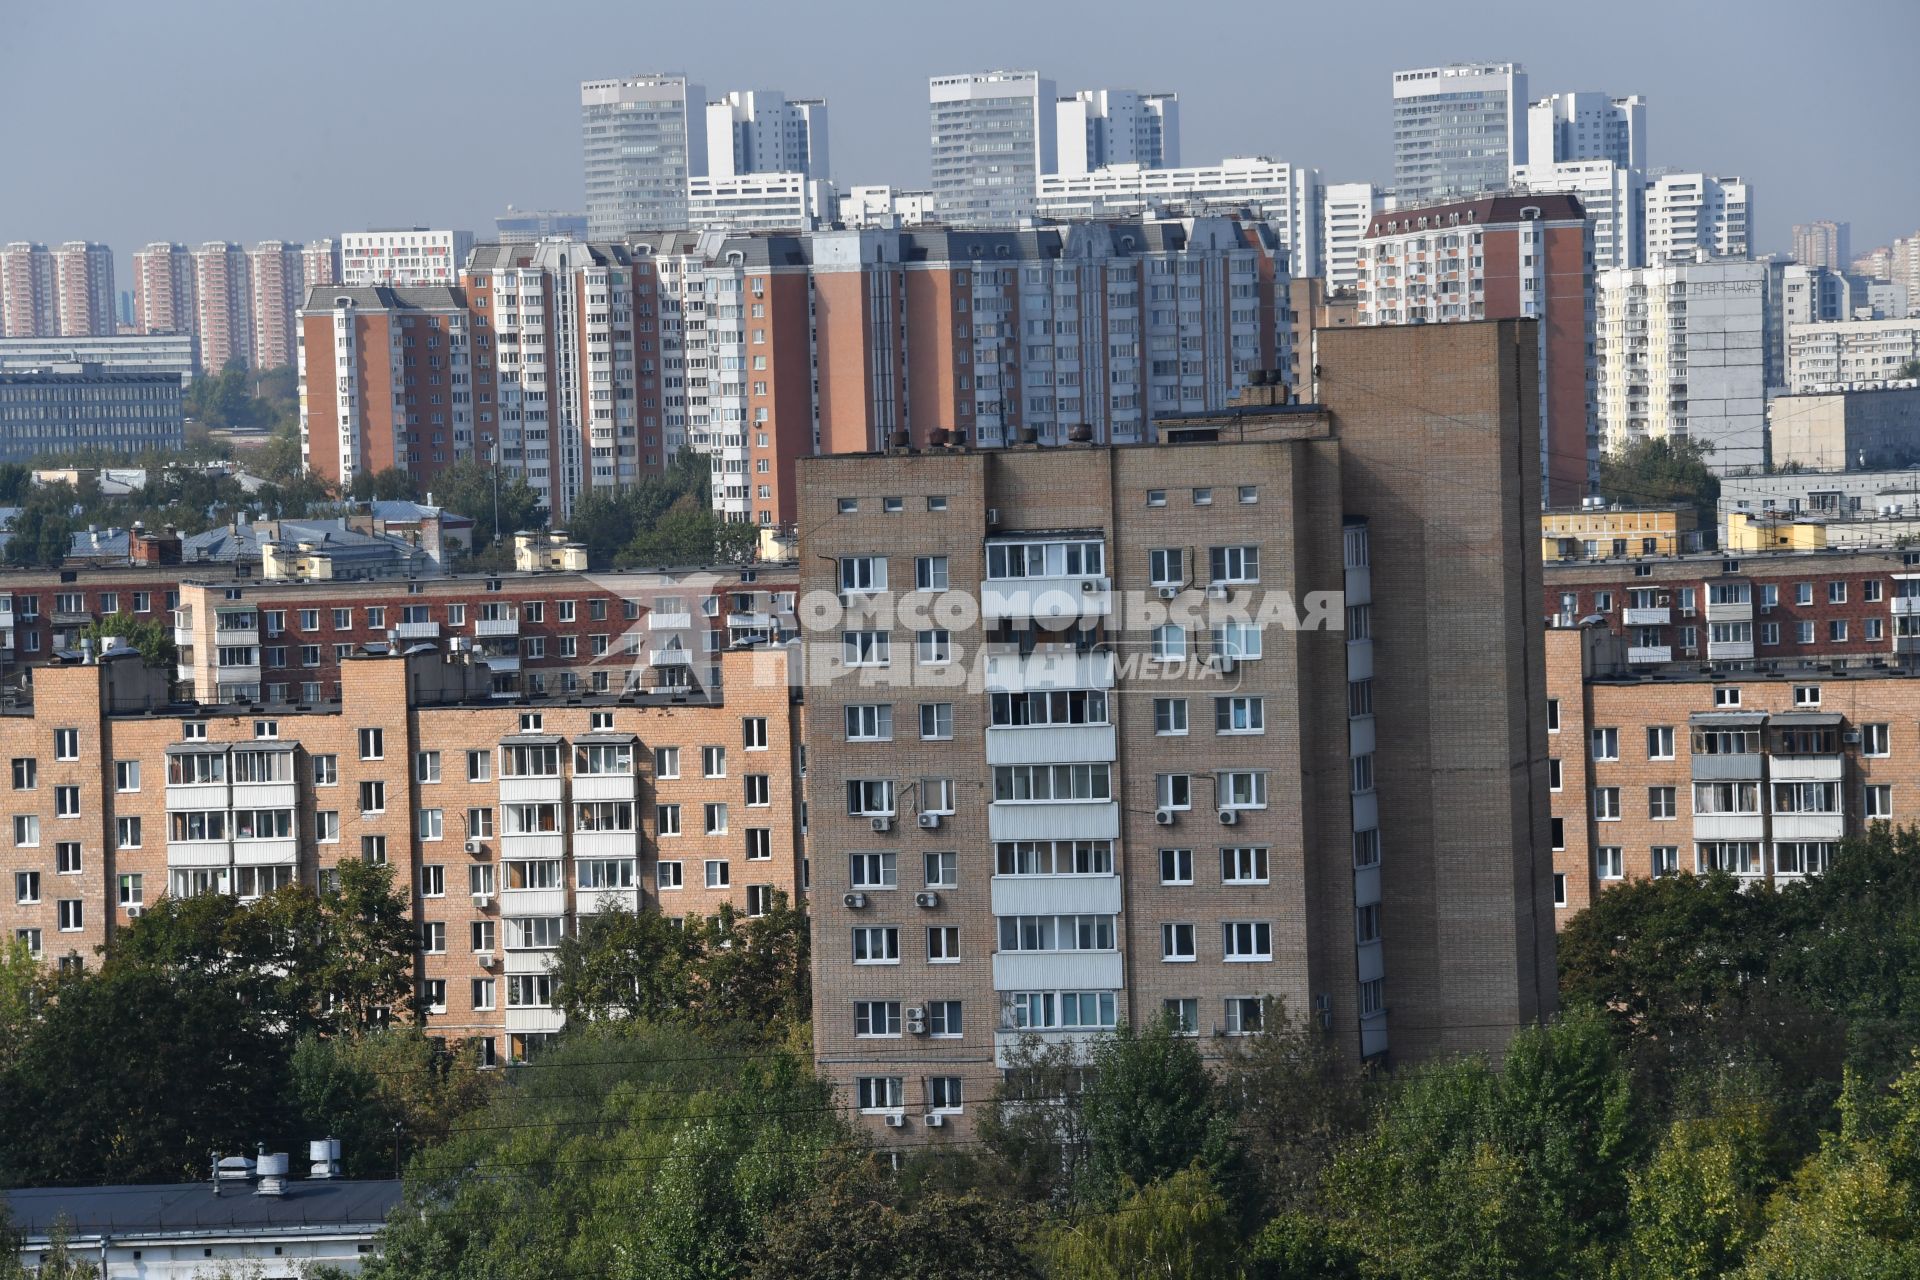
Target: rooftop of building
[
  {"x": 1486, "y": 210},
  {"x": 1714, "y": 562},
  {"x": 385, "y": 297},
  {"x": 195, "y": 1209},
  {"x": 64, "y": 372}
]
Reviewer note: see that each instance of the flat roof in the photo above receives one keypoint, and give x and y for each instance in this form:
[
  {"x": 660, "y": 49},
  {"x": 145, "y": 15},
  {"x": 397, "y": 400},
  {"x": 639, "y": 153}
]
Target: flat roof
[{"x": 168, "y": 1209}]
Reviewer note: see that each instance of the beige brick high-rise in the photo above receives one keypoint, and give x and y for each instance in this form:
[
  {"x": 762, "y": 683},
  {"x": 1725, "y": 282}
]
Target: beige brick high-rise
[{"x": 1124, "y": 784}]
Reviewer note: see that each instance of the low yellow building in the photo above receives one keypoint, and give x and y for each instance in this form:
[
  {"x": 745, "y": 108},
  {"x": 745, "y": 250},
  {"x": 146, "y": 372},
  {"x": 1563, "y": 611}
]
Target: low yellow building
[
  {"x": 1595, "y": 531},
  {"x": 1789, "y": 531}
]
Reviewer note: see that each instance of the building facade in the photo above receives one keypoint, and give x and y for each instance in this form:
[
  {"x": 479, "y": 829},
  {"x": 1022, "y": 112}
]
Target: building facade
[
  {"x": 760, "y": 202},
  {"x": 1839, "y": 430},
  {"x": 993, "y": 135},
  {"x": 1347, "y": 210},
  {"x": 1849, "y": 352},
  {"x": 320, "y": 261},
  {"x": 759, "y": 131},
  {"x": 1457, "y": 130},
  {"x": 163, "y": 289},
  {"x": 525, "y": 226},
  {"x": 643, "y": 137},
  {"x": 1574, "y": 127},
  {"x": 223, "y": 305},
  {"x": 1100, "y": 128},
  {"x": 1494, "y": 258},
  {"x": 1613, "y": 196},
  {"x": 413, "y": 256},
  {"x": 1696, "y": 215},
  {"x": 65, "y": 407},
  {"x": 1286, "y": 196},
  {"x": 1823, "y": 244},
  {"x": 276, "y": 276},
  {"x": 172, "y": 352},
  {"x": 506, "y": 821},
  {"x": 84, "y": 296},
  {"x": 1681, "y": 352},
  {"x": 1007, "y": 810},
  {"x": 1598, "y": 530},
  {"x": 27, "y": 307}
]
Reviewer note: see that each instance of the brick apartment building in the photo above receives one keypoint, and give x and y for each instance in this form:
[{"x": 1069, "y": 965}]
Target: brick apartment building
[
  {"x": 506, "y": 820},
  {"x": 592, "y": 365},
  {"x": 1058, "y": 811},
  {"x": 1489, "y": 258}
]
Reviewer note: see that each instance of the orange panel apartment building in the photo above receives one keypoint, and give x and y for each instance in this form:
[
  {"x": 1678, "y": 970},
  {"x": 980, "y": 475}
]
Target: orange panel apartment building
[
  {"x": 507, "y": 821},
  {"x": 1103, "y": 732},
  {"x": 594, "y": 364}
]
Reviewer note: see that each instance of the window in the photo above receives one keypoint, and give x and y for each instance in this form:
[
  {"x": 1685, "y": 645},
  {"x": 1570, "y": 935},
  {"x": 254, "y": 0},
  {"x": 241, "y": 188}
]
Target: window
[
  {"x": 1836, "y": 593},
  {"x": 1665, "y": 859},
  {"x": 1233, "y": 564},
  {"x": 373, "y": 849},
  {"x": 66, "y": 857},
  {"x": 1661, "y": 803},
  {"x": 943, "y": 1093},
  {"x": 1366, "y": 923},
  {"x": 1247, "y": 940},
  {"x": 326, "y": 771},
  {"x": 1243, "y": 789},
  {"x": 865, "y": 648},
  {"x": 1606, "y": 744},
  {"x": 1243, "y": 865},
  {"x": 1606, "y": 804},
  {"x": 1245, "y": 1015},
  {"x": 1168, "y": 643},
  {"x": 1176, "y": 943},
  {"x": 873, "y": 871},
  {"x": 1052, "y": 782},
  {"x": 933, "y": 647},
  {"x": 936, "y": 795},
  {"x": 1553, "y": 715},
  {"x": 715, "y": 819},
  {"x": 944, "y": 1019},
  {"x": 863, "y": 574},
  {"x": 1726, "y": 696},
  {"x": 480, "y": 881},
  {"x": 936, "y": 720},
  {"x": 936, "y": 502},
  {"x": 1726, "y": 798},
  {"x": 876, "y": 945},
  {"x": 666, "y": 819},
  {"x": 666, "y": 762},
  {"x": 1173, "y": 791},
  {"x": 1239, "y": 715},
  {"x": 879, "y": 1093},
  {"x": 1803, "y": 632},
  {"x": 873, "y": 1018},
  {"x": 753, "y": 733},
  {"x": 433, "y": 937},
  {"x": 1203, "y": 497},
  {"x": 943, "y": 869},
  {"x": 1607, "y": 863},
  {"x": 26, "y": 887},
  {"x": 26, "y": 829},
  {"x": 1366, "y": 847},
  {"x": 66, "y": 802},
  {"x": 373, "y": 744},
  {"x": 759, "y": 844},
  {"x": 26, "y": 773},
  {"x": 1057, "y": 933},
  {"x": 943, "y": 944},
  {"x": 713, "y": 762},
  {"x": 1237, "y": 640},
  {"x": 66, "y": 744},
  {"x": 426, "y": 766},
  {"x": 1806, "y": 695},
  {"x": 126, "y": 833},
  {"x": 483, "y": 994},
  {"x": 1249, "y": 494},
  {"x": 1183, "y": 1013},
  {"x": 930, "y": 573},
  {"x": 1837, "y": 630},
  {"x": 668, "y": 875},
  {"x": 1660, "y": 742},
  {"x": 1554, "y": 777},
  {"x": 133, "y": 891},
  {"x": 1170, "y": 716},
  {"x": 72, "y": 915},
  {"x": 1156, "y": 497},
  {"x": 1875, "y": 739}
]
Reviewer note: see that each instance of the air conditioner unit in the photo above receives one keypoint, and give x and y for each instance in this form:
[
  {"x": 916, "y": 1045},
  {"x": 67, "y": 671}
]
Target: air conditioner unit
[
  {"x": 1163, "y": 816},
  {"x": 1850, "y": 735},
  {"x": 1217, "y": 591},
  {"x": 916, "y": 1026},
  {"x": 1688, "y": 611},
  {"x": 134, "y": 913},
  {"x": 931, "y": 821},
  {"x": 1220, "y": 662},
  {"x": 1229, "y": 816},
  {"x": 474, "y": 846},
  {"x": 485, "y": 958},
  {"x": 1169, "y": 593},
  {"x": 926, "y": 899},
  {"x": 993, "y": 515},
  {"x": 895, "y": 1119},
  {"x": 935, "y": 1120},
  {"x": 855, "y": 901},
  {"x": 1690, "y": 653},
  {"x": 883, "y": 824},
  {"x": 916, "y": 1013}
]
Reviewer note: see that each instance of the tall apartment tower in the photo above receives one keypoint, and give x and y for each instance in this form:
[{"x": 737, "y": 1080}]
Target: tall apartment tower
[
  {"x": 320, "y": 262},
  {"x": 1695, "y": 215},
  {"x": 1457, "y": 130},
  {"x": 993, "y": 136},
  {"x": 1587, "y": 126},
  {"x": 1154, "y": 794},
  {"x": 276, "y": 275},
  {"x": 1681, "y": 350},
  {"x": 1823, "y": 244},
  {"x": 26, "y": 291},
  {"x": 1613, "y": 195},
  {"x": 404, "y": 255},
  {"x": 223, "y": 305},
  {"x": 1347, "y": 210},
  {"x": 1489, "y": 259},
  {"x": 377, "y": 368},
  {"x": 163, "y": 289},
  {"x": 1101, "y": 127},
  {"x": 762, "y": 131},
  {"x": 83, "y": 289},
  {"x": 643, "y": 137}
]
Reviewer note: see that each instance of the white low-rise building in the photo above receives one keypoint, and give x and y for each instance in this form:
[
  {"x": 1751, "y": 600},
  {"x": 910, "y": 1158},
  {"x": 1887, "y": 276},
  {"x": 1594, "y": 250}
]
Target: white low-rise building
[
  {"x": 759, "y": 202},
  {"x": 1849, "y": 351},
  {"x": 403, "y": 256}
]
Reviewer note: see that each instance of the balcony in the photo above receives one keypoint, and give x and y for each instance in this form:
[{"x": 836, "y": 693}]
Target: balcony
[
  {"x": 670, "y": 657},
  {"x": 500, "y": 663},
  {"x": 1809, "y": 826},
  {"x": 1905, "y": 604},
  {"x": 237, "y": 636},
  {"x": 1056, "y": 895},
  {"x": 1728, "y": 768},
  {"x": 1729, "y": 650},
  {"x": 1741, "y": 612},
  {"x": 1057, "y": 970},
  {"x": 604, "y": 786},
  {"x": 669, "y": 621},
  {"x": 1043, "y": 744},
  {"x": 1906, "y": 644},
  {"x": 1007, "y": 1040},
  {"x": 533, "y": 902},
  {"x": 752, "y": 621},
  {"x": 484, "y": 628},
  {"x": 1650, "y": 654},
  {"x": 541, "y": 789},
  {"x": 1729, "y": 826},
  {"x": 418, "y": 631},
  {"x": 276, "y": 851},
  {"x": 1045, "y": 599},
  {"x": 199, "y": 853},
  {"x": 1647, "y": 617},
  {"x": 593, "y": 901},
  {"x": 1061, "y": 820},
  {"x": 1049, "y": 667}
]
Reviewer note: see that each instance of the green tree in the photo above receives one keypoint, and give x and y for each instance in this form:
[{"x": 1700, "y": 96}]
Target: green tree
[
  {"x": 1700, "y": 1202},
  {"x": 374, "y": 1088},
  {"x": 1152, "y": 1109},
  {"x": 861, "y": 1221},
  {"x": 755, "y": 971},
  {"x": 467, "y": 488},
  {"x": 1033, "y": 1126},
  {"x": 1297, "y": 1099},
  {"x": 1658, "y": 472},
  {"x": 1179, "y": 1226},
  {"x": 152, "y": 637},
  {"x": 21, "y": 987},
  {"x": 391, "y": 483},
  {"x": 1911, "y": 369},
  {"x": 626, "y": 965}
]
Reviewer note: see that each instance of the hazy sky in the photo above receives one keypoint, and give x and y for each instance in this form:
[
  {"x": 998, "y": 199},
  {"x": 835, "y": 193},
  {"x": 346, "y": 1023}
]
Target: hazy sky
[{"x": 242, "y": 119}]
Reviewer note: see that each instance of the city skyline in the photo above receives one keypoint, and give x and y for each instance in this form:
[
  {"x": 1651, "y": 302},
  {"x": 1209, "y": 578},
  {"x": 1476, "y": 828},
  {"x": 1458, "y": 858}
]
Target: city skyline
[{"x": 1330, "y": 112}]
